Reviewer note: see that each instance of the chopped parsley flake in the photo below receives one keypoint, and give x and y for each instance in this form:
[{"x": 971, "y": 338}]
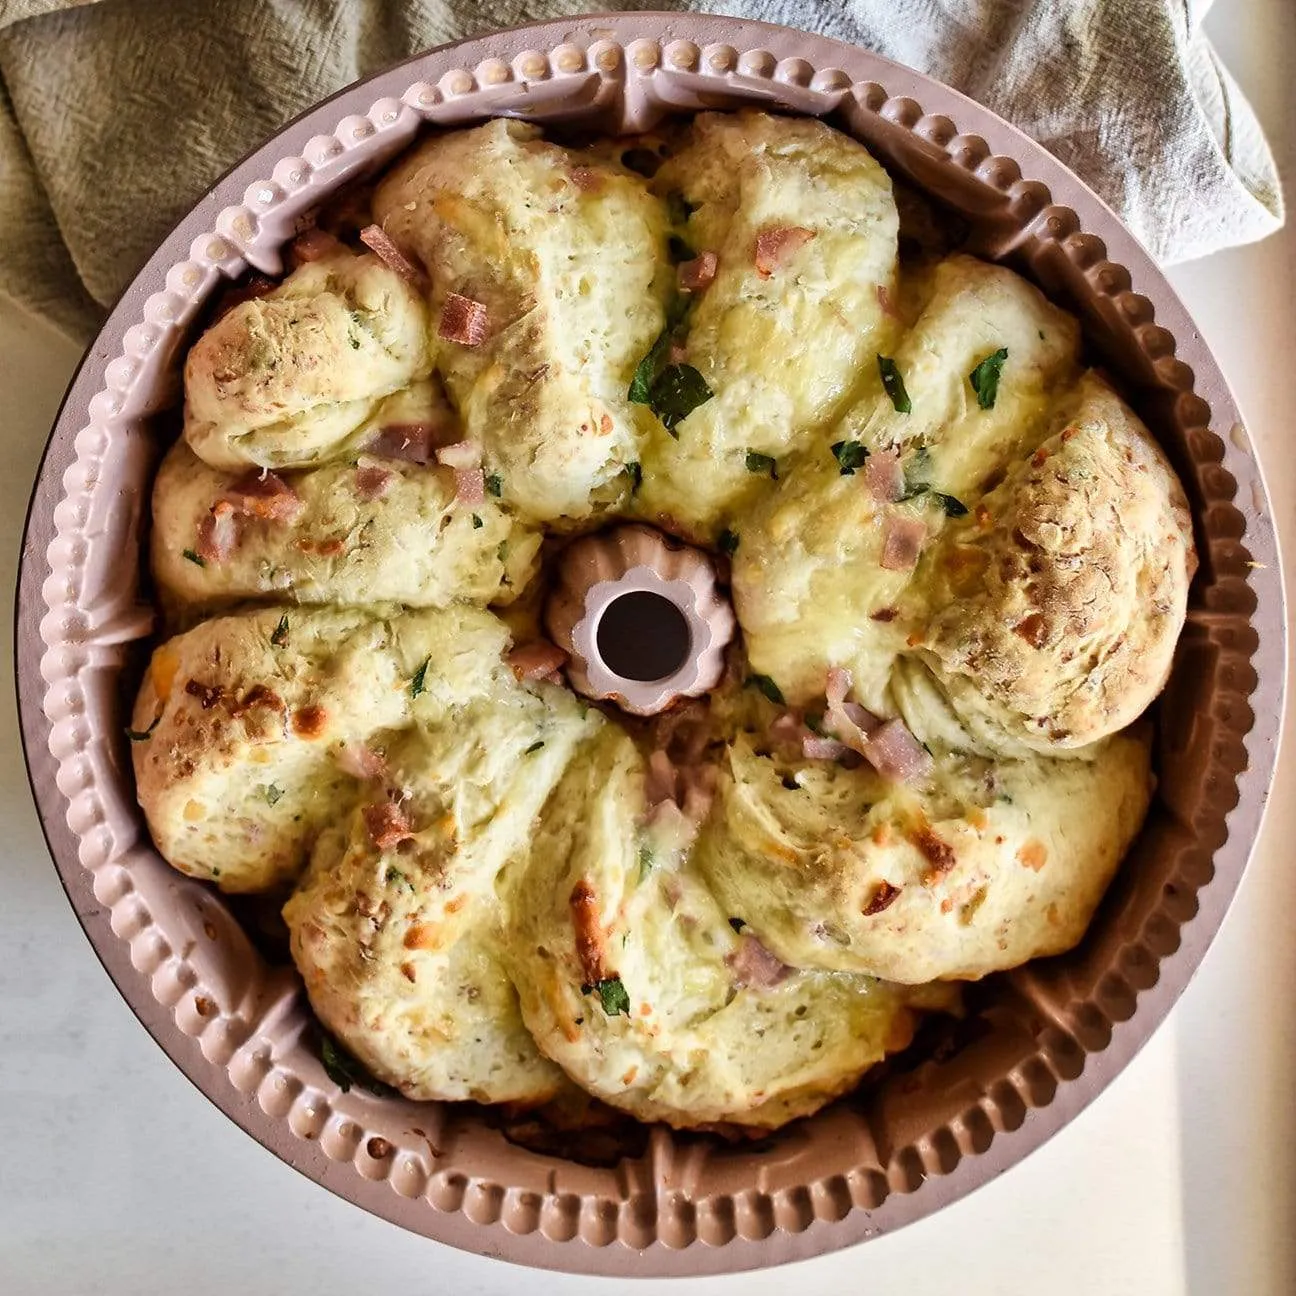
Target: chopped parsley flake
[
  {"x": 728, "y": 542},
  {"x": 635, "y": 472},
  {"x": 678, "y": 391},
  {"x": 194, "y": 558},
  {"x": 272, "y": 793},
  {"x": 953, "y": 507},
  {"x": 762, "y": 463},
  {"x": 143, "y": 735},
  {"x": 893, "y": 383},
  {"x": 535, "y": 747},
  {"x": 395, "y": 877},
  {"x": 419, "y": 682},
  {"x": 280, "y": 636},
  {"x": 612, "y": 995},
  {"x": 344, "y": 1070},
  {"x": 768, "y": 688},
  {"x": 645, "y": 861},
  {"x": 494, "y": 484},
  {"x": 849, "y": 455},
  {"x": 673, "y": 391},
  {"x": 985, "y": 377}
]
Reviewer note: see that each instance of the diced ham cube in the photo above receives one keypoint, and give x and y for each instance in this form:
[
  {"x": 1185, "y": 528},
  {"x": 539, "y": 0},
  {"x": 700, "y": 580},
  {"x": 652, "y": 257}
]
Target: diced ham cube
[
  {"x": 462, "y": 320},
  {"x": 313, "y": 245},
  {"x": 379, "y": 241},
  {"x": 695, "y": 275},
  {"x": 536, "y": 660},
  {"x": 775, "y": 247},
  {"x": 387, "y": 824},
  {"x": 896, "y": 754},
  {"x": 372, "y": 482},
  {"x": 884, "y": 477},
  {"x": 753, "y": 965},
  {"x": 902, "y": 543},
  {"x": 470, "y": 486},
  {"x": 264, "y": 495}
]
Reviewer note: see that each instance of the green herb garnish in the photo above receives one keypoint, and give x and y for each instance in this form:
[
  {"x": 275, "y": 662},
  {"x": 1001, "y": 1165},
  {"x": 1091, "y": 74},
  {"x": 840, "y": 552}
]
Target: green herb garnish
[
  {"x": 535, "y": 747},
  {"x": 419, "y": 682},
  {"x": 612, "y": 994},
  {"x": 893, "y": 383},
  {"x": 645, "y": 861},
  {"x": 985, "y": 377},
  {"x": 143, "y": 735},
  {"x": 394, "y": 876},
  {"x": 849, "y": 455},
  {"x": 916, "y": 474},
  {"x": 672, "y": 390},
  {"x": 272, "y": 793},
  {"x": 953, "y": 507},
  {"x": 728, "y": 542},
  {"x": 344, "y": 1070},
  {"x": 767, "y": 687},
  {"x": 280, "y": 636},
  {"x": 494, "y": 484},
  {"x": 762, "y": 463},
  {"x": 194, "y": 558},
  {"x": 678, "y": 391},
  {"x": 635, "y": 472},
  {"x": 477, "y": 522}
]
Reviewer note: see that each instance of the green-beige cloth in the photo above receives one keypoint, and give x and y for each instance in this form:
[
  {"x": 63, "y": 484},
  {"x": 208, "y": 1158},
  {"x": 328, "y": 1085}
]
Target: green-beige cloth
[{"x": 115, "y": 115}]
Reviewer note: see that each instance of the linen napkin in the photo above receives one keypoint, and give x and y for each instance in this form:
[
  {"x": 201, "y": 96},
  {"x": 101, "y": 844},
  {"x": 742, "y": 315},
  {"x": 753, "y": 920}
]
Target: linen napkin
[{"x": 115, "y": 115}]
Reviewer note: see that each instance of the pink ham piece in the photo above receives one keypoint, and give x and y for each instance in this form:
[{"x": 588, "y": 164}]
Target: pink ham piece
[
  {"x": 470, "y": 486},
  {"x": 775, "y": 247},
  {"x": 884, "y": 477},
  {"x": 849, "y": 722},
  {"x": 412, "y": 442},
  {"x": 896, "y": 754},
  {"x": 462, "y": 320},
  {"x": 372, "y": 482},
  {"x": 379, "y": 241},
  {"x": 754, "y": 966},
  {"x": 885, "y": 302},
  {"x": 387, "y": 824},
  {"x": 462, "y": 454},
  {"x": 815, "y": 748},
  {"x": 787, "y": 728},
  {"x": 217, "y": 534},
  {"x": 361, "y": 761},
  {"x": 263, "y": 495},
  {"x": 535, "y": 660},
  {"x": 697, "y": 274},
  {"x": 586, "y": 179},
  {"x": 313, "y": 245},
  {"x": 661, "y": 782},
  {"x": 902, "y": 543}
]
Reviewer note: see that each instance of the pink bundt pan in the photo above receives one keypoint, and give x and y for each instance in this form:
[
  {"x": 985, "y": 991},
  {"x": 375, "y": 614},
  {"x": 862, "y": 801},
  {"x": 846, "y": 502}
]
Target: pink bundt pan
[{"x": 1042, "y": 1041}]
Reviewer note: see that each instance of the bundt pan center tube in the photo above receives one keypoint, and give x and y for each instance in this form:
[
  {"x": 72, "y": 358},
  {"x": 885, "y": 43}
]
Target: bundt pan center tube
[{"x": 1037, "y": 1043}]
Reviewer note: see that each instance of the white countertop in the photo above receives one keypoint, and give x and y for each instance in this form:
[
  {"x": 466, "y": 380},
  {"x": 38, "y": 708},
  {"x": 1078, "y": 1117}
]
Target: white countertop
[{"x": 119, "y": 1177}]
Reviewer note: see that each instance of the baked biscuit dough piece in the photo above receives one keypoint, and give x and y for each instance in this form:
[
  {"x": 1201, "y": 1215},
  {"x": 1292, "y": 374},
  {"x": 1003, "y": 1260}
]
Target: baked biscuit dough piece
[
  {"x": 633, "y": 980},
  {"x": 809, "y": 585},
  {"x": 565, "y": 251},
  {"x": 804, "y": 227},
  {"x": 1056, "y": 608},
  {"x": 368, "y": 530},
  {"x": 398, "y": 943},
  {"x": 287, "y": 379},
  {"x": 247, "y": 726},
  {"x": 986, "y": 866}
]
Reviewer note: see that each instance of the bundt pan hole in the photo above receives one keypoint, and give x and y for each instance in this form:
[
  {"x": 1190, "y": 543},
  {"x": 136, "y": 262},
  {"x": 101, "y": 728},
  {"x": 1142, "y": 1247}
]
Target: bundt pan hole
[{"x": 642, "y": 636}]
